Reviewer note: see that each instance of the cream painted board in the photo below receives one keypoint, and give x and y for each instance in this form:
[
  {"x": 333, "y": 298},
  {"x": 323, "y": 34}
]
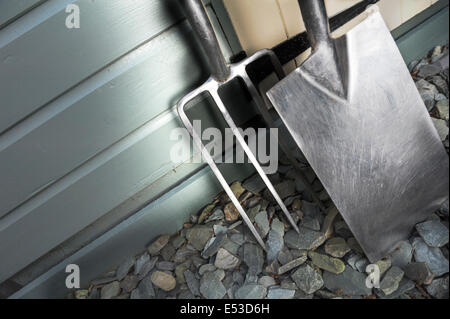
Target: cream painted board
[
  {"x": 412, "y": 7},
  {"x": 258, "y": 23},
  {"x": 391, "y": 10},
  {"x": 337, "y": 6},
  {"x": 265, "y": 23},
  {"x": 292, "y": 17}
]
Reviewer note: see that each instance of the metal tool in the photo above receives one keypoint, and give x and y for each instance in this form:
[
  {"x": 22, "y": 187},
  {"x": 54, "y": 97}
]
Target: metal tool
[
  {"x": 221, "y": 75},
  {"x": 353, "y": 109}
]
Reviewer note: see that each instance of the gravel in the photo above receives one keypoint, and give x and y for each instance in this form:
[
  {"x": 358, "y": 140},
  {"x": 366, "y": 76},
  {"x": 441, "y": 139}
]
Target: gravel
[
  {"x": 439, "y": 288},
  {"x": 253, "y": 258},
  {"x": 214, "y": 256},
  {"x": 333, "y": 265},
  {"x": 158, "y": 244},
  {"x": 307, "y": 239},
  {"x": 291, "y": 265},
  {"x": 348, "y": 283},
  {"x": 252, "y": 291},
  {"x": 433, "y": 232},
  {"x": 110, "y": 290},
  {"x": 163, "y": 280},
  {"x": 391, "y": 280},
  {"x": 307, "y": 279},
  {"x": 226, "y": 260},
  {"x": 402, "y": 255},
  {"x": 211, "y": 286},
  {"x": 432, "y": 256},
  {"x": 280, "y": 293},
  {"x": 419, "y": 272},
  {"x": 275, "y": 242},
  {"x": 337, "y": 247}
]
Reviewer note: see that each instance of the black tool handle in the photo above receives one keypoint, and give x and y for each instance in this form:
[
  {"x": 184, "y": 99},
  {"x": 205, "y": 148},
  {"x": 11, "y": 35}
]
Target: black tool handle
[
  {"x": 315, "y": 18},
  {"x": 200, "y": 23}
]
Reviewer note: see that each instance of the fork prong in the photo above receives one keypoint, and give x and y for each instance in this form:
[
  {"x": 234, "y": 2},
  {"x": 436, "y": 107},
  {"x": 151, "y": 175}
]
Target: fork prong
[
  {"x": 262, "y": 106},
  {"x": 251, "y": 156},
  {"x": 207, "y": 156}
]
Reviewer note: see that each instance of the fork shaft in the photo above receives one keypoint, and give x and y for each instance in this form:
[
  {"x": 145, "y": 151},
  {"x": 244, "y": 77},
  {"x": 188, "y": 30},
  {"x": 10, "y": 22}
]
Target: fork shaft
[{"x": 200, "y": 23}]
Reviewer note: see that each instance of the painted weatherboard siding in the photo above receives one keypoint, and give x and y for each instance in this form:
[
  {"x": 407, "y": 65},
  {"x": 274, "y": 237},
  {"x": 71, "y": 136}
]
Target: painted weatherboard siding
[
  {"x": 50, "y": 58},
  {"x": 415, "y": 45},
  {"x": 10, "y": 9},
  {"x": 95, "y": 114},
  {"x": 104, "y": 140}
]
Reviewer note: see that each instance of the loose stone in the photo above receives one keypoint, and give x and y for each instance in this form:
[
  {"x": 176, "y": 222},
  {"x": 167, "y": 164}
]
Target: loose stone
[
  {"x": 279, "y": 293},
  {"x": 145, "y": 289},
  {"x": 337, "y": 247},
  {"x": 129, "y": 283},
  {"x": 147, "y": 267},
  {"x": 206, "y": 268},
  {"x": 168, "y": 252},
  {"x": 204, "y": 214},
  {"x": 307, "y": 279},
  {"x": 307, "y": 239},
  {"x": 158, "y": 244},
  {"x": 275, "y": 242},
  {"x": 226, "y": 260},
  {"x": 341, "y": 229},
  {"x": 348, "y": 283},
  {"x": 291, "y": 265},
  {"x": 192, "y": 282},
  {"x": 211, "y": 286},
  {"x": 198, "y": 236},
  {"x": 439, "y": 288},
  {"x": 163, "y": 280},
  {"x": 402, "y": 256},
  {"x": 231, "y": 213},
  {"x": 213, "y": 246},
  {"x": 419, "y": 272},
  {"x": 125, "y": 268},
  {"x": 391, "y": 280},
  {"x": 311, "y": 223},
  {"x": 216, "y": 215},
  {"x": 140, "y": 262},
  {"x": 262, "y": 223},
  {"x": 111, "y": 290},
  {"x": 384, "y": 265},
  {"x": 253, "y": 258},
  {"x": 333, "y": 265},
  {"x": 254, "y": 184},
  {"x": 165, "y": 265},
  {"x": 432, "y": 256},
  {"x": 251, "y": 291},
  {"x": 433, "y": 232},
  {"x": 266, "y": 281}
]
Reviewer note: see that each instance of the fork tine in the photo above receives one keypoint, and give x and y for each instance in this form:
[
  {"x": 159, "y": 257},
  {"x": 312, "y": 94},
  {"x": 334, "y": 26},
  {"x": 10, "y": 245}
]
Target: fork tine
[
  {"x": 207, "y": 156},
  {"x": 261, "y": 105},
  {"x": 251, "y": 156}
]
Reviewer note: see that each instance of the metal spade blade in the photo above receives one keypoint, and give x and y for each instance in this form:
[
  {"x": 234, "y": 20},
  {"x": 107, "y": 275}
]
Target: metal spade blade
[{"x": 353, "y": 109}]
